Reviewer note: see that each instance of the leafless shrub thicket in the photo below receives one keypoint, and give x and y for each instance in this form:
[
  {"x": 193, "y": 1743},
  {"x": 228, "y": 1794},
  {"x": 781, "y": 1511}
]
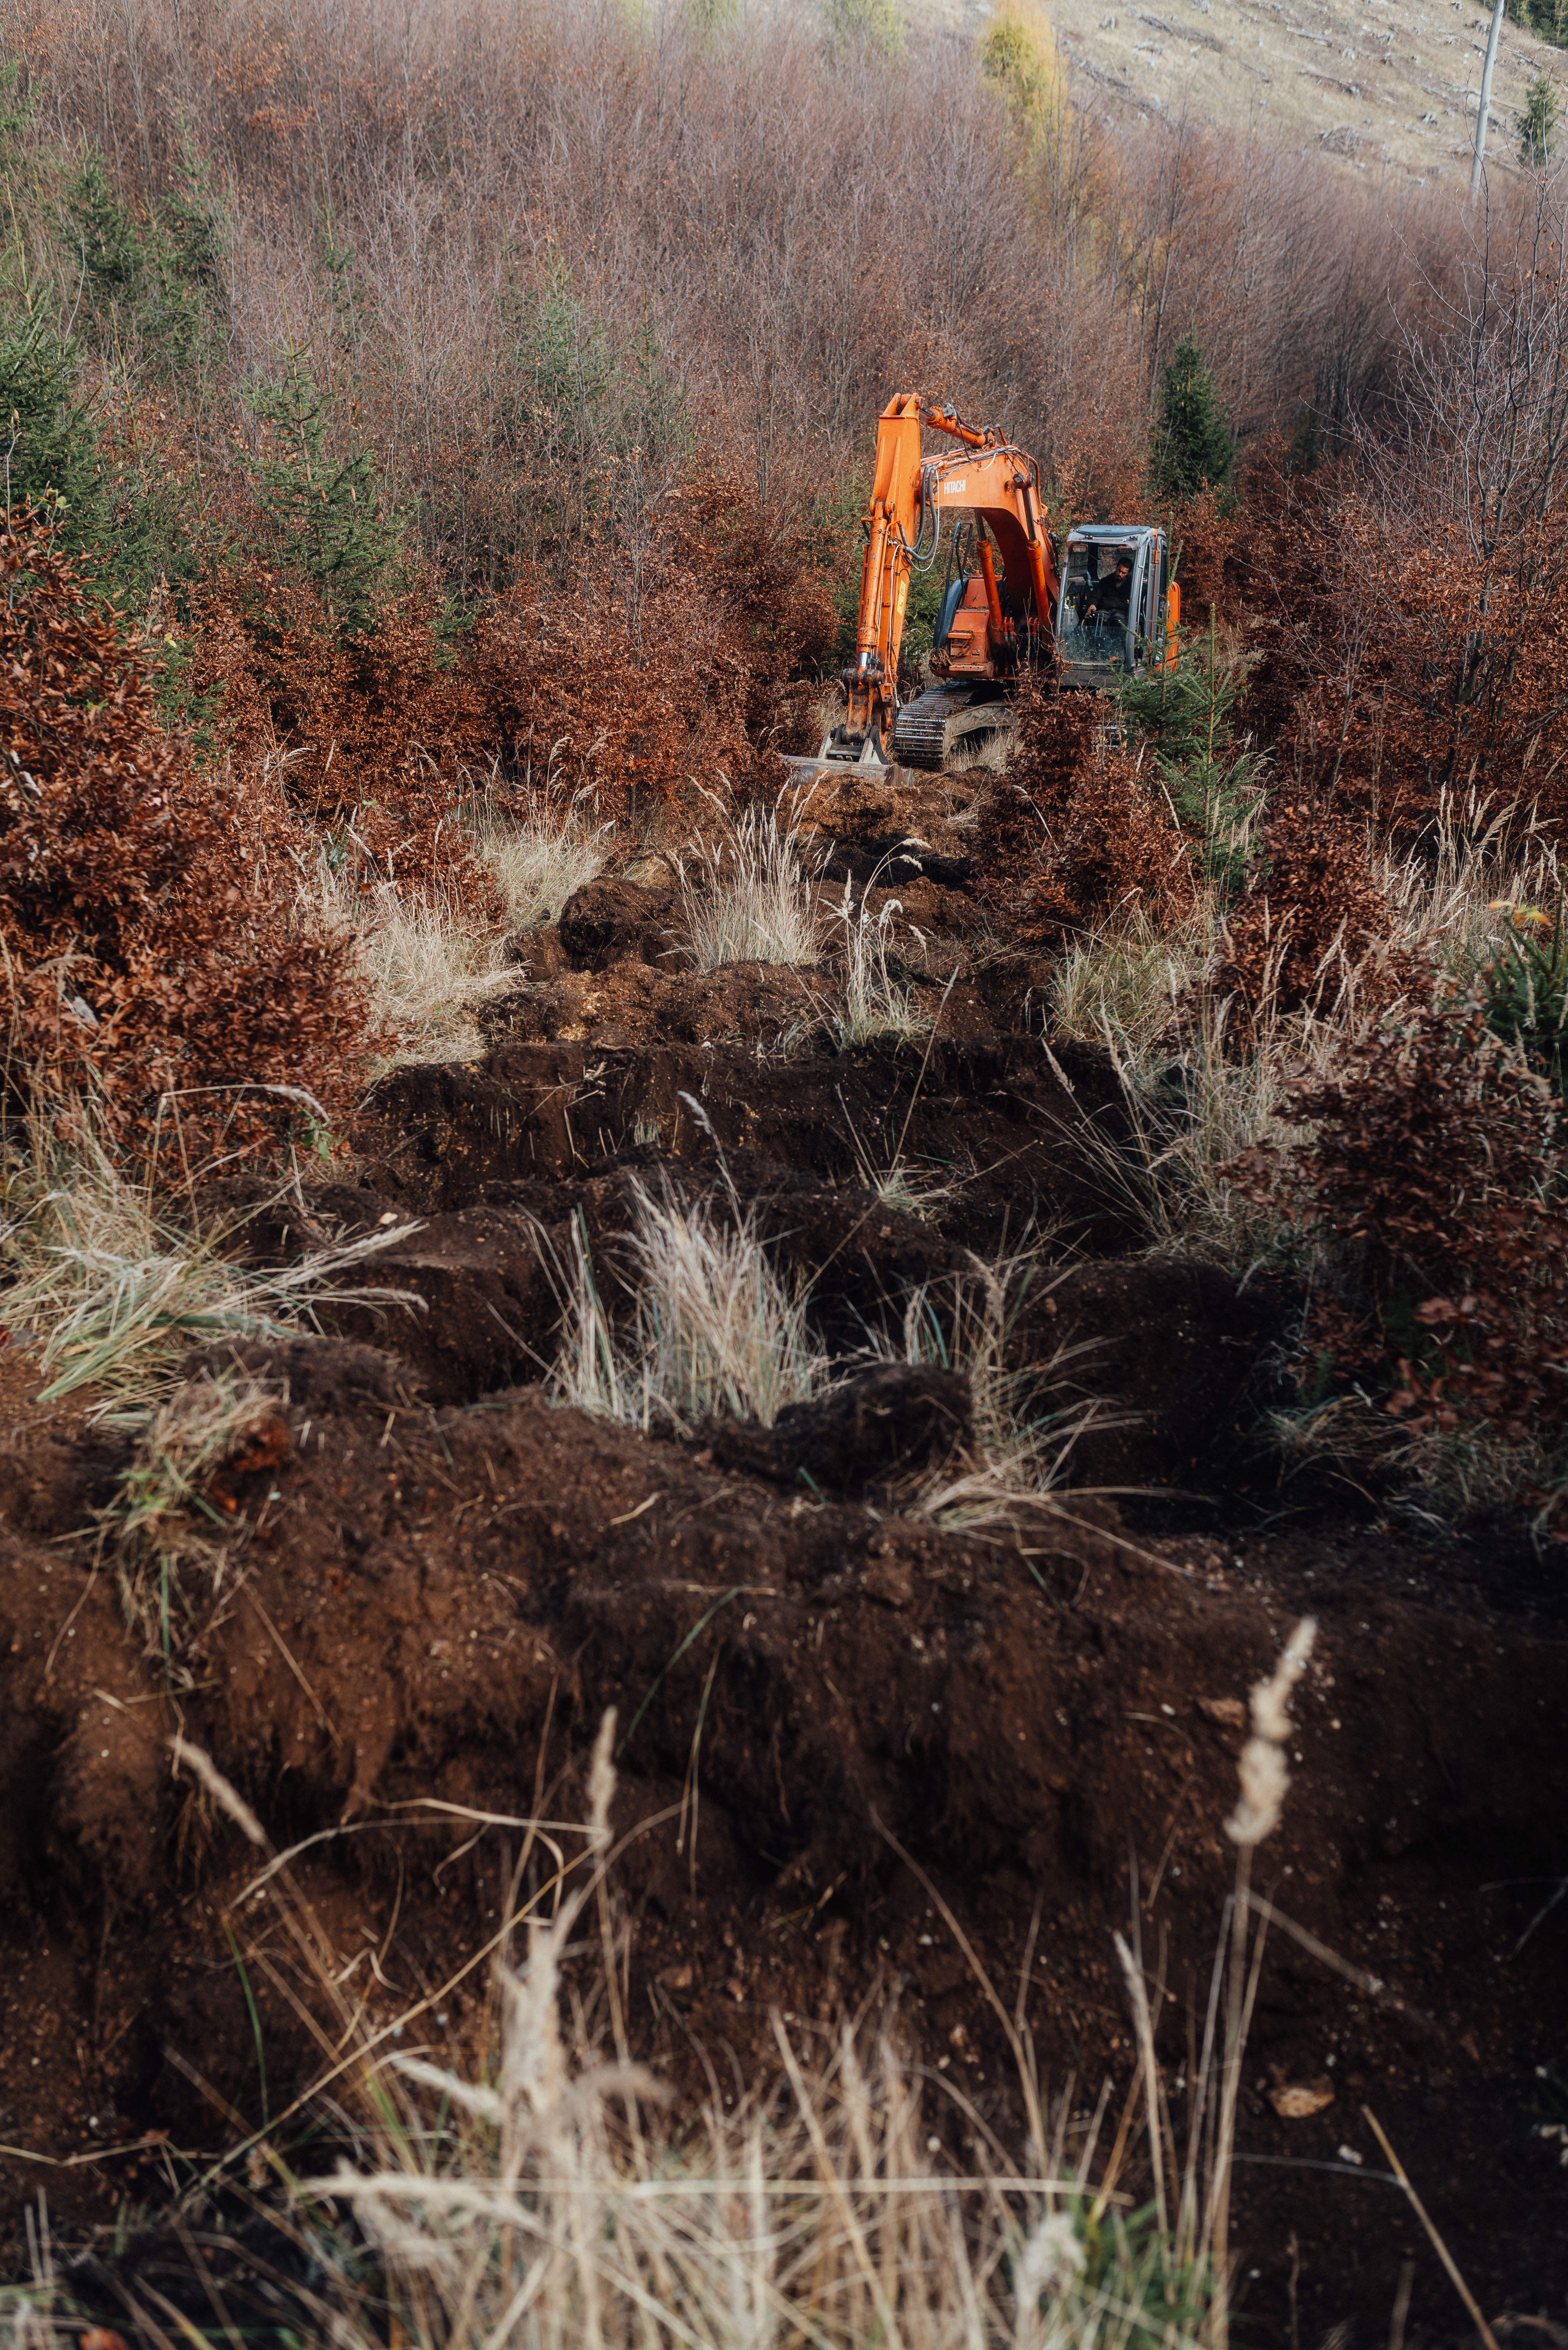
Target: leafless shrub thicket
[
  {"x": 541, "y": 247},
  {"x": 1410, "y": 601}
]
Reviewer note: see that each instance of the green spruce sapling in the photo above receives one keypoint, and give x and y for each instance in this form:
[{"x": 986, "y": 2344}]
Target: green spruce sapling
[
  {"x": 325, "y": 508},
  {"x": 1537, "y": 123},
  {"x": 1186, "y": 715},
  {"x": 1196, "y": 449},
  {"x": 47, "y": 439}
]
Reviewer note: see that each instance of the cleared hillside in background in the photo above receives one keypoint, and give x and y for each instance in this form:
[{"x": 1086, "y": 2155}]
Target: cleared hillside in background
[{"x": 1387, "y": 86}]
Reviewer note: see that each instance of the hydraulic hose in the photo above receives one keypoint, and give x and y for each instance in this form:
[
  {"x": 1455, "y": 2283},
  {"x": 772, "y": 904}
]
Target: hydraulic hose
[{"x": 922, "y": 557}]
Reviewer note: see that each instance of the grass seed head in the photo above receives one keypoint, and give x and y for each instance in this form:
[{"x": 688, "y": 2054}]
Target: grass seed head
[{"x": 1262, "y": 1768}]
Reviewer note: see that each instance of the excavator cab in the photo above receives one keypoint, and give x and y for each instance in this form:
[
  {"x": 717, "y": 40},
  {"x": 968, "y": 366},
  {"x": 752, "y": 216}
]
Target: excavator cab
[{"x": 1118, "y": 610}]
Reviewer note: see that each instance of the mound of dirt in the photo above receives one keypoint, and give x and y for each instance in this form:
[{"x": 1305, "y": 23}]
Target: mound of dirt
[
  {"x": 867, "y": 1438},
  {"x": 613, "y": 921},
  {"x": 431, "y": 1606},
  {"x": 862, "y": 1757},
  {"x": 616, "y": 1008}
]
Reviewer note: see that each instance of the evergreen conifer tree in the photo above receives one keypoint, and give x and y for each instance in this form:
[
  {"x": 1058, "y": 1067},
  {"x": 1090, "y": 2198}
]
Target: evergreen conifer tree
[
  {"x": 1196, "y": 444},
  {"x": 182, "y": 292},
  {"x": 99, "y": 235},
  {"x": 46, "y": 437},
  {"x": 1537, "y": 123},
  {"x": 327, "y": 509},
  {"x": 1188, "y": 714}
]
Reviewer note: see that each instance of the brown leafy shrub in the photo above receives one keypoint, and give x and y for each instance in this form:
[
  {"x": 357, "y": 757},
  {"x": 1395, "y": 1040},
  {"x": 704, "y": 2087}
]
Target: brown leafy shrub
[
  {"x": 1073, "y": 832},
  {"x": 774, "y": 584},
  {"x": 1434, "y": 1167},
  {"x": 567, "y": 689},
  {"x": 150, "y": 939},
  {"x": 377, "y": 736},
  {"x": 382, "y": 731},
  {"x": 1312, "y": 914},
  {"x": 1402, "y": 656},
  {"x": 1205, "y": 532}
]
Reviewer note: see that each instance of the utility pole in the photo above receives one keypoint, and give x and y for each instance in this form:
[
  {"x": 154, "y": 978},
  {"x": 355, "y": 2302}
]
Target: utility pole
[{"x": 1491, "y": 42}]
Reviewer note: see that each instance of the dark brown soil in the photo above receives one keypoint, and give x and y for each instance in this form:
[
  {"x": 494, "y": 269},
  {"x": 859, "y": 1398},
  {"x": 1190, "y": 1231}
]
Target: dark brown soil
[{"x": 440, "y": 1580}]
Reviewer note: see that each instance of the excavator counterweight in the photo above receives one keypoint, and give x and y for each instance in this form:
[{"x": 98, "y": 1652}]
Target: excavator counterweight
[{"x": 1005, "y": 603}]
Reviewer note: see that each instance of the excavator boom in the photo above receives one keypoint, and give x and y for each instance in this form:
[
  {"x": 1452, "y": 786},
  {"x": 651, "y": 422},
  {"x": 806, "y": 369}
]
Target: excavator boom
[{"x": 989, "y": 478}]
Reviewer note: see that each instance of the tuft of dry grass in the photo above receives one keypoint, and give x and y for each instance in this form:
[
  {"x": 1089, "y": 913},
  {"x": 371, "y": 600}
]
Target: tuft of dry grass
[
  {"x": 1457, "y": 894},
  {"x": 426, "y": 965},
  {"x": 113, "y": 1288},
  {"x": 172, "y": 1520},
  {"x": 1023, "y": 1435},
  {"x": 542, "y": 859},
  {"x": 716, "y": 1329},
  {"x": 875, "y": 1005},
  {"x": 987, "y": 755},
  {"x": 1201, "y": 1090},
  {"x": 711, "y": 1328},
  {"x": 1431, "y": 1480},
  {"x": 1129, "y": 979},
  {"x": 746, "y": 893},
  {"x": 1201, "y": 1081},
  {"x": 1189, "y": 1112}
]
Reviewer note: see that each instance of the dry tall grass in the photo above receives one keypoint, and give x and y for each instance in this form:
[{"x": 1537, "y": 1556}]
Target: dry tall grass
[
  {"x": 113, "y": 1283},
  {"x": 1205, "y": 1081},
  {"x": 746, "y": 893},
  {"x": 1481, "y": 865},
  {"x": 540, "y": 860},
  {"x": 169, "y": 1539},
  {"x": 715, "y": 1326},
  {"x": 427, "y": 963},
  {"x": 1028, "y": 1416},
  {"x": 431, "y": 959},
  {"x": 875, "y": 1005},
  {"x": 1195, "y": 1092},
  {"x": 699, "y": 1322}
]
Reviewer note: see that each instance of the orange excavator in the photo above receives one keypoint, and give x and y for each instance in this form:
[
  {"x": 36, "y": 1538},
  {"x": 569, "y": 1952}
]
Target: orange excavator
[{"x": 1099, "y": 609}]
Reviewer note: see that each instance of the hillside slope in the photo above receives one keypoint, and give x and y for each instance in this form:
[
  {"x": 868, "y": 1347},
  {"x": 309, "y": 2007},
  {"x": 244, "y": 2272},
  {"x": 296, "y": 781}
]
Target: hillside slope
[{"x": 1386, "y": 85}]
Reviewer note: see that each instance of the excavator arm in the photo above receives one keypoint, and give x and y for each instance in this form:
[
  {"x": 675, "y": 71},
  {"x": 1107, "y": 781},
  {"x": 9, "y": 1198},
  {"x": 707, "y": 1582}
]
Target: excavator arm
[{"x": 987, "y": 476}]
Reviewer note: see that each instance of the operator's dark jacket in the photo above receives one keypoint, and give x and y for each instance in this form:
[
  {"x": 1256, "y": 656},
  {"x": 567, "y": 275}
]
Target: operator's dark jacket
[{"x": 1111, "y": 595}]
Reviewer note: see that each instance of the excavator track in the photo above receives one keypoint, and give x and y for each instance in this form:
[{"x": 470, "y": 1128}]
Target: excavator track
[{"x": 926, "y": 733}]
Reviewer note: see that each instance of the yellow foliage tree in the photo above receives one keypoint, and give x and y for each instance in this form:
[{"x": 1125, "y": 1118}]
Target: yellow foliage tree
[{"x": 1019, "y": 54}]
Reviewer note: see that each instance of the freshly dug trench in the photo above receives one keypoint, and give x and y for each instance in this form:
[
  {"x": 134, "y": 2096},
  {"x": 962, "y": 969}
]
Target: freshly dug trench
[
  {"x": 432, "y": 1590},
  {"x": 988, "y": 1114},
  {"x": 1170, "y": 1354}
]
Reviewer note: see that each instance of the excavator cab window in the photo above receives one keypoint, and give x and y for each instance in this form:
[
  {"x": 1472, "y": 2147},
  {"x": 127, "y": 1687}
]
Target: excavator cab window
[
  {"x": 1098, "y": 619},
  {"x": 1112, "y": 618}
]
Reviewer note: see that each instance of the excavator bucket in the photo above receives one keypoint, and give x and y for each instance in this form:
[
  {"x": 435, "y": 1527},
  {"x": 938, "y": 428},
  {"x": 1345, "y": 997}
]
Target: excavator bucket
[{"x": 842, "y": 754}]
